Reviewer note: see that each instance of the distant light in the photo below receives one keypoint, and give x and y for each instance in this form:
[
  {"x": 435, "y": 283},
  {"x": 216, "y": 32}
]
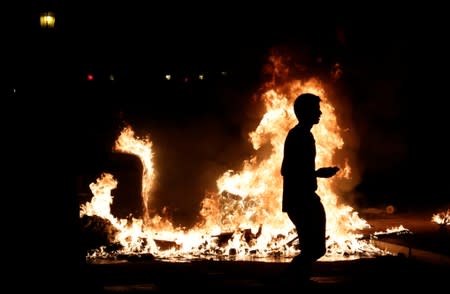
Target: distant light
[
  {"x": 201, "y": 76},
  {"x": 186, "y": 79},
  {"x": 168, "y": 77},
  {"x": 47, "y": 20},
  {"x": 390, "y": 209},
  {"x": 224, "y": 73},
  {"x": 111, "y": 77},
  {"x": 90, "y": 77}
]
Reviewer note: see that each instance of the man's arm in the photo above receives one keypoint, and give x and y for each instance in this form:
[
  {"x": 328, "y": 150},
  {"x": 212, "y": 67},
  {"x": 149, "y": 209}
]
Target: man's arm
[{"x": 326, "y": 172}]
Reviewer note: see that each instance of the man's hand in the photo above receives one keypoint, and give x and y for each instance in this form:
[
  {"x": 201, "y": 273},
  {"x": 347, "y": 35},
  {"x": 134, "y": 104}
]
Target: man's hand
[{"x": 326, "y": 172}]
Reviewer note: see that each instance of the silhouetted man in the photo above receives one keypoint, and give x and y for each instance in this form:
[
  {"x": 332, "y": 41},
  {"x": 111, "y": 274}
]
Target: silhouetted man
[{"x": 300, "y": 200}]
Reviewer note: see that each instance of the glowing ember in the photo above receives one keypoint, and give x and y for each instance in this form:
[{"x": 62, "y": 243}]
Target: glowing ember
[
  {"x": 243, "y": 218},
  {"x": 442, "y": 218},
  {"x": 394, "y": 230}
]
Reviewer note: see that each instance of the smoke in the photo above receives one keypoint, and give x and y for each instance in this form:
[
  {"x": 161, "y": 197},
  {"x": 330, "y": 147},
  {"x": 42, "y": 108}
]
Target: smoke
[{"x": 375, "y": 79}]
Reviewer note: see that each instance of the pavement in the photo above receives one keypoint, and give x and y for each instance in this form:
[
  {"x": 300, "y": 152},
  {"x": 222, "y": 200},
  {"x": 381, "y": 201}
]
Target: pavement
[
  {"x": 419, "y": 258},
  {"x": 421, "y": 239}
]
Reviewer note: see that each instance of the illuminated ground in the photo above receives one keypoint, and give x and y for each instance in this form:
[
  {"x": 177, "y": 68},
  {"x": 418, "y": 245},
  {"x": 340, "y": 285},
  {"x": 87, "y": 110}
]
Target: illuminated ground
[
  {"x": 427, "y": 238},
  {"x": 423, "y": 263},
  {"x": 379, "y": 273}
]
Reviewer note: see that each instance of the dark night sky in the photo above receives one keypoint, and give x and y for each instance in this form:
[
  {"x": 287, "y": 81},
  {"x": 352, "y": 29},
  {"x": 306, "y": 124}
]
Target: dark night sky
[{"x": 383, "y": 53}]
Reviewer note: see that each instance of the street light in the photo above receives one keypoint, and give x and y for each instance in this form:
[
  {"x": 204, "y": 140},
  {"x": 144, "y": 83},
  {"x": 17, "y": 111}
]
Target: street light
[{"x": 47, "y": 20}]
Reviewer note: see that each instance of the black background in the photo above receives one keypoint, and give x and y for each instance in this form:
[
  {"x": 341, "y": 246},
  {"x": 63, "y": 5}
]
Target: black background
[{"x": 394, "y": 84}]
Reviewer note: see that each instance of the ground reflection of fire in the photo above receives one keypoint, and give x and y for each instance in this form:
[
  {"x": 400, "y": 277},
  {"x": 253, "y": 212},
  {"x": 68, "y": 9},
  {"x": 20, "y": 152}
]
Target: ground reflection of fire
[{"x": 243, "y": 218}]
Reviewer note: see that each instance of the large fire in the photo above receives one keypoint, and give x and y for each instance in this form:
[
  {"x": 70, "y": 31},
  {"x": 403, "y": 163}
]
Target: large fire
[{"x": 243, "y": 218}]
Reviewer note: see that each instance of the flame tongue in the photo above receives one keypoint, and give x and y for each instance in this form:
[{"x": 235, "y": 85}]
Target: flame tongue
[
  {"x": 127, "y": 143},
  {"x": 243, "y": 218}
]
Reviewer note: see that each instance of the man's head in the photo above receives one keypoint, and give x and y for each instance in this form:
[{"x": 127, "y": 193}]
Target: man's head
[{"x": 307, "y": 108}]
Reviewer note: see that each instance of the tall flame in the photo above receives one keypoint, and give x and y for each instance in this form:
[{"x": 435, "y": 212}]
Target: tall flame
[
  {"x": 127, "y": 143},
  {"x": 243, "y": 217}
]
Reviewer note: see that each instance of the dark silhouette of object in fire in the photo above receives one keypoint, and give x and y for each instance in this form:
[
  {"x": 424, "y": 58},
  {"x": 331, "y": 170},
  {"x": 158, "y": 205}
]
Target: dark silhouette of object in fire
[{"x": 300, "y": 200}]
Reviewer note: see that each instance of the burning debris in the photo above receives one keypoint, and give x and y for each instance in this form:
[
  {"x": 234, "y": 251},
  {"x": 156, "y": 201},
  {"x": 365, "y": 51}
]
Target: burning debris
[
  {"x": 166, "y": 245},
  {"x": 393, "y": 231},
  {"x": 98, "y": 232},
  {"x": 247, "y": 235},
  {"x": 441, "y": 218},
  {"x": 243, "y": 218}
]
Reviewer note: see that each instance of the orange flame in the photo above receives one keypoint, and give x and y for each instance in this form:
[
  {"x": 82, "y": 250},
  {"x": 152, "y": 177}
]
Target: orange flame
[
  {"x": 126, "y": 143},
  {"x": 243, "y": 217},
  {"x": 441, "y": 218}
]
